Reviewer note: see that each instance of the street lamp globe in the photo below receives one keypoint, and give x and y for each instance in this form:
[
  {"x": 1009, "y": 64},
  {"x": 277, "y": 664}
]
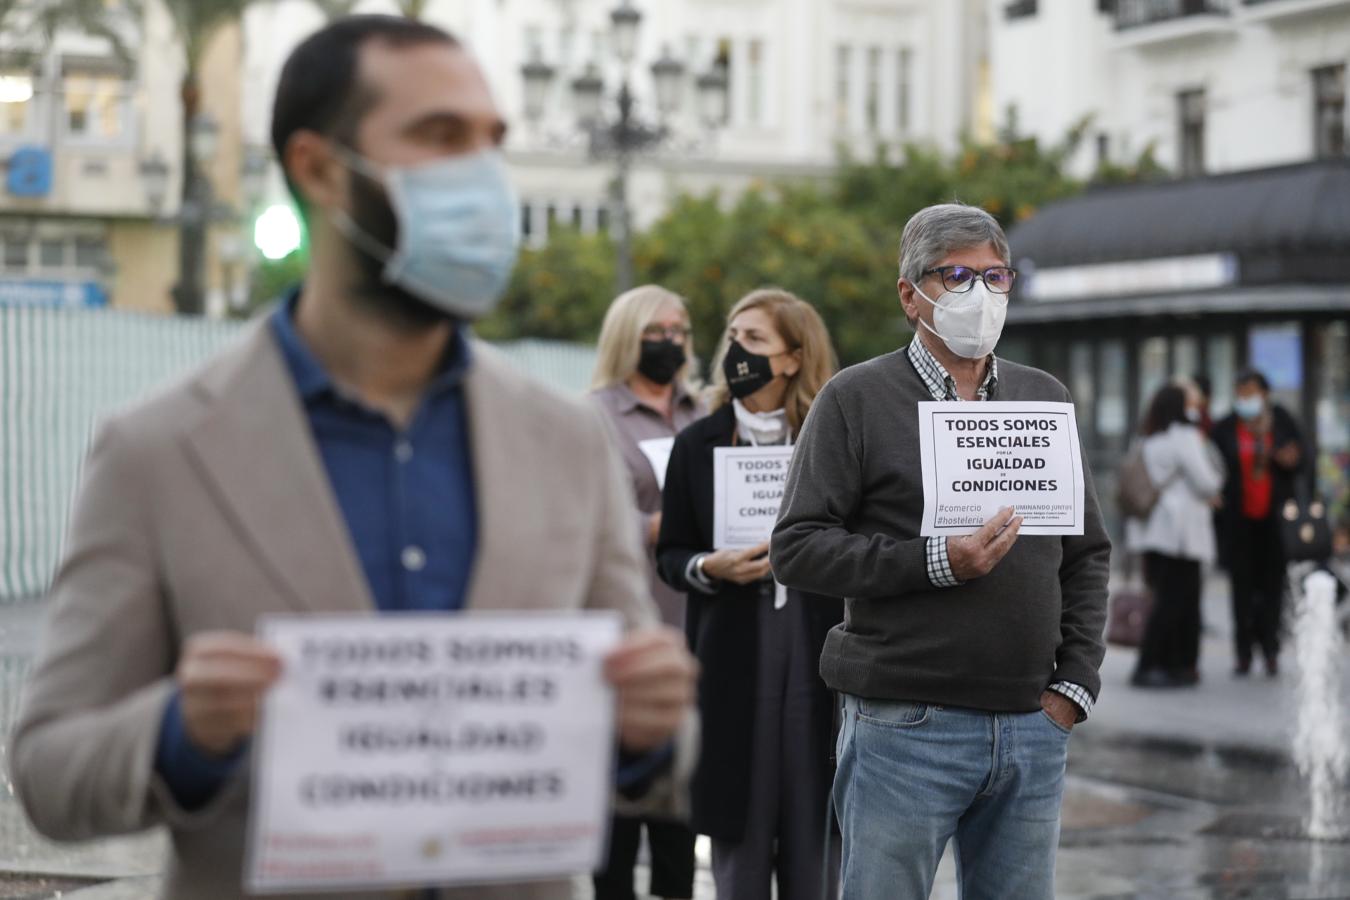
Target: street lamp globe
[
  {"x": 204, "y": 137},
  {"x": 253, "y": 175},
  {"x": 668, "y": 73},
  {"x": 712, "y": 97},
  {"x": 538, "y": 77},
  {"x": 155, "y": 173},
  {"x": 625, "y": 21},
  {"x": 588, "y": 93}
]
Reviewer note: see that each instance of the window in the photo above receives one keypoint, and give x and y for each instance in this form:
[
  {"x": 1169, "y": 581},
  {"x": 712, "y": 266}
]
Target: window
[
  {"x": 1152, "y": 369},
  {"x": 1191, "y": 147},
  {"x": 1221, "y": 366},
  {"x": 902, "y": 87},
  {"x": 1112, "y": 372},
  {"x": 842, "y": 61},
  {"x": 1329, "y": 111},
  {"x": 755, "y": 77},
  {"x": 722, "y": 62},
  {"x": 576, "y": 217},
  {"x": 15, "y": 252},
  {"x": 1186, "y": 356},
  {"x": 602, "y": 219},
  {"x": 90, "y": 252},
  {"x": 94, "y": 106},
  {"x": 52, "y": 253},
  {"x": 1019, "y": 9},
  {"x": 1103, "y": 149},
  {"x": 872, "y": 100},
  {"x": 16, "y": 103},
  {"x": 1081, "y": 382},
  {"x": 526, "y": 222}
]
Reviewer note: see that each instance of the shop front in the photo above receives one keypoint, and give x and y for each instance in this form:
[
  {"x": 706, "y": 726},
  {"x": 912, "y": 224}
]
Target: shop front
[{"x": 1122, "y": 289}]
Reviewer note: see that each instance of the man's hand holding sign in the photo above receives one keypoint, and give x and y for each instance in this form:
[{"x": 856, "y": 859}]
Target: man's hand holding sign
[
  {"x": 225, "y": 674},
  {"x": 975, "y": 555}
]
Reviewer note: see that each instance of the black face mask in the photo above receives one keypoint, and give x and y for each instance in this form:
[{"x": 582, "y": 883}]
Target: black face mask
[
  {"x": 660, "y": 360},
  {"x": 746, "y": 372}
]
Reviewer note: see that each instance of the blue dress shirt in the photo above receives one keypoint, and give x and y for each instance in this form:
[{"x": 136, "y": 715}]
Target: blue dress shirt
[
  {"x": 409, "y": 503},
  {"x": 408, "y": 500}
]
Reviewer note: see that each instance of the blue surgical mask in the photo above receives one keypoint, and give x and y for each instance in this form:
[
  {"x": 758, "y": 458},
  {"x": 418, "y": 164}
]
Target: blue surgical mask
[
  {"x": 1249, "y": 408},
  {"x": 458, "y": 230}
]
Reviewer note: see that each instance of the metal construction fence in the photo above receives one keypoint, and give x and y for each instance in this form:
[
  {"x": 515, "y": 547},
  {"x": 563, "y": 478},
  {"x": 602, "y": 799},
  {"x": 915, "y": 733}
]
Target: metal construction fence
[{"x": 61, "y": 370}]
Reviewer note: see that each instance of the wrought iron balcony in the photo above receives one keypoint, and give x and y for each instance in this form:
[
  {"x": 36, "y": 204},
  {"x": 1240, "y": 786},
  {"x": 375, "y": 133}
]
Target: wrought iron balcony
[{"x": 1140, "y": 13}]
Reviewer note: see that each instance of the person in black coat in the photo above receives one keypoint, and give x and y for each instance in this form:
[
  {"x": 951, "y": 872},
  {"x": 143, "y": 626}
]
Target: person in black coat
[
  {"x": 761, "y": 789},
  {"x": 1264, "y": 452}
]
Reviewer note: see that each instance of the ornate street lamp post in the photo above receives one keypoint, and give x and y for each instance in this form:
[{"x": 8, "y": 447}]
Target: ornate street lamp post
[{"x": 623, "y": 135}]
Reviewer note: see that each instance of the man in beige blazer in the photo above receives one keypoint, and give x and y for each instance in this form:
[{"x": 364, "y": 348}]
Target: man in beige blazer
[{"x": 232, "y": 494}]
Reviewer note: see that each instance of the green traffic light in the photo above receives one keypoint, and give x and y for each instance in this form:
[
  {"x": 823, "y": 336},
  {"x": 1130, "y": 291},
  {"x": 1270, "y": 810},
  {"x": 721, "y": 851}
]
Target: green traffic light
[{"x": 277, "y": 231}]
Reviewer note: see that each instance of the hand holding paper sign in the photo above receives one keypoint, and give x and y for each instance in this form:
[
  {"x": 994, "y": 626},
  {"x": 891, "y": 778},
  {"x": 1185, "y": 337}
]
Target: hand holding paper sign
[
  {"x": 655, "y": 676},
  {"x": 738, "y": 566},
  {"x": 222, "y": 676},
  {"x": 975, "y": 555}
]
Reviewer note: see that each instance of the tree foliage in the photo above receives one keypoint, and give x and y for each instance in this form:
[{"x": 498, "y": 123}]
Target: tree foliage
[{"x": 835, "y": 243}]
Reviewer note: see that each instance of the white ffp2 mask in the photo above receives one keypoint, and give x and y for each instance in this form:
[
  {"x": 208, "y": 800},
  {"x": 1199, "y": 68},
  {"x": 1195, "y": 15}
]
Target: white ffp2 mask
[{"x": 970, "y": 323}]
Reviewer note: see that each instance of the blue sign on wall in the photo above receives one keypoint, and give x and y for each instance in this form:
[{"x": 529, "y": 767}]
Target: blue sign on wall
[
  {"x": 30, "y": 172},
  {"x": 38, "y": 292}
]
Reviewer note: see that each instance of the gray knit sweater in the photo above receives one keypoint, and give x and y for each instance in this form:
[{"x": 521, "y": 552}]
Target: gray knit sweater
[{"x": 849, "y": 526}]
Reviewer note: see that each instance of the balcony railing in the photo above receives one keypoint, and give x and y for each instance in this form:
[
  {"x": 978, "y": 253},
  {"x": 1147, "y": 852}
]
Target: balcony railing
[{"x": 1137, "y": 13}]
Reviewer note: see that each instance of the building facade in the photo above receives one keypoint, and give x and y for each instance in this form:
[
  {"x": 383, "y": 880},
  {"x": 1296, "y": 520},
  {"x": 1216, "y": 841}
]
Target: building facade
[
  {"x": 806, "y": 78},
  {"x": 1239, "y": 259},
  {"x": 91, "y": 136},
  {"x": 1208, "y": 85}
]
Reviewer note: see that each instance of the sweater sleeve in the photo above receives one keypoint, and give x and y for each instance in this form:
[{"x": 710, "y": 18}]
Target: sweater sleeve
[
  {"x": 813, "y": 549},
  {"x": 679, "y": 541},
  {"x": 1083, "y": 574}
]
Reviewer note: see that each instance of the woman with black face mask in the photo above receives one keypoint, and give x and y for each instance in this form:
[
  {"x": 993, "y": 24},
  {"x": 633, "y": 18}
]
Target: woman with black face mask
[
  {"x": 761, "y": 789},
  {"x": 642, "y": 381}
]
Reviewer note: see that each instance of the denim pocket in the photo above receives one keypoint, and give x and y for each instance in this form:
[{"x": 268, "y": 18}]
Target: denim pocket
[
  {"x": 1055, "y": 725},
  {"x": 893, "y": 713}
]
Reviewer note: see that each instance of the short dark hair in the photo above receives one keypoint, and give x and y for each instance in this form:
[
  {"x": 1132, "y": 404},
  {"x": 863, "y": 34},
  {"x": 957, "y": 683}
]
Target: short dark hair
[
  {"x": 319, "y": 90},
  {"x": 1167, "y": 409},
  {"x": 1253, "y": 376},
  {"x": 1203, "y": 382}
]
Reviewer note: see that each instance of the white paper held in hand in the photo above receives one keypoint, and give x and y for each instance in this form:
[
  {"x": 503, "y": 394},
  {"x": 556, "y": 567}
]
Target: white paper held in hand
[
  {"x": 981, "y": 457},
  {"x": 432, "y": 749}
]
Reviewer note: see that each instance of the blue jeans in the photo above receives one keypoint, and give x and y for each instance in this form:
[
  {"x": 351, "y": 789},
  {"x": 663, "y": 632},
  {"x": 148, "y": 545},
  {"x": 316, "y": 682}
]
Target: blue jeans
[{"x": 913, "y": 776}]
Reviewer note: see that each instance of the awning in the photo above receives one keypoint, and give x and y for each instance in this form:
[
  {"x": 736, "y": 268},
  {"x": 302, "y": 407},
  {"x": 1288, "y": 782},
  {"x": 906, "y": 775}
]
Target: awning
[
  {"x": 1296, "y": 208},
  {"x": 1295, "y": 300}
]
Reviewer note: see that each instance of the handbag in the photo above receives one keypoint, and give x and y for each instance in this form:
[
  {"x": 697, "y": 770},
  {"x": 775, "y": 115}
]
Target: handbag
[
  {"x": 1305, "y": 530},
  {"x": 1136, "y": 494},
  {"x": 1128, "y": 612}
]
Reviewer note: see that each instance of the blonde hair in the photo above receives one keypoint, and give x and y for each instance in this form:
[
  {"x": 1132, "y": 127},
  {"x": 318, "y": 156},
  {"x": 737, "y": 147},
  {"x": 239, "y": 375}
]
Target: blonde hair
[
  {"x": 801, "y": 328},
  {"x": 620, "y": 345}
]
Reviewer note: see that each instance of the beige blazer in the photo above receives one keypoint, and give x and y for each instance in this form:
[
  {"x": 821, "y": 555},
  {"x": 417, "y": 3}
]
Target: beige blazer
[{"x": 207, "y": 506}]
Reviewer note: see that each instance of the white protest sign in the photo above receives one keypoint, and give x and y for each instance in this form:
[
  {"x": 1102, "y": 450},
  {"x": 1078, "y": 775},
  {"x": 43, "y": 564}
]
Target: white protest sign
[
  {"x": 981, "y": 457},
  {"x": 747, "y": 492},
  {"x": 403, "y": 750},
  {"x": 657, "y": 451}
]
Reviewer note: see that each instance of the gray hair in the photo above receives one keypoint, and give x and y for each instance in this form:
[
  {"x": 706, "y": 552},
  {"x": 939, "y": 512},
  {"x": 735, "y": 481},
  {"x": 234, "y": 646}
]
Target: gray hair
[{"x": 935, "y": 231}]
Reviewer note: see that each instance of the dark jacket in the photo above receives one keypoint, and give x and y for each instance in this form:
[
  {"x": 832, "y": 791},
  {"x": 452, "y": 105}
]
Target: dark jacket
[
  {"x": 1284, "y": 482},
  {"x": 723, "y": 630}
]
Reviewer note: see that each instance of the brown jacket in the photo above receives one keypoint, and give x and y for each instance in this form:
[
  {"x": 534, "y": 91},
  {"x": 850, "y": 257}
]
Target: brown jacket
[{"x": 207, "y": 506}]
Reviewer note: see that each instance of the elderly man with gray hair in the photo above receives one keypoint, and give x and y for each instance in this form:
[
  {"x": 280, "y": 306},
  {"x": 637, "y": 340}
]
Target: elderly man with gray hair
[{"x": 963, "y": 662}]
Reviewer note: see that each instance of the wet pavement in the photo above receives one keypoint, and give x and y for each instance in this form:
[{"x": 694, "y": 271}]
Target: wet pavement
[{"x": 1184, "y": 794}]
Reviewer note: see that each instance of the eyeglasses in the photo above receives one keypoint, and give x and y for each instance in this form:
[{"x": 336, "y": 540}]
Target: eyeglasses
[
  {"x": 959, "y": 279},
  {"x": 661, "y": 332}
]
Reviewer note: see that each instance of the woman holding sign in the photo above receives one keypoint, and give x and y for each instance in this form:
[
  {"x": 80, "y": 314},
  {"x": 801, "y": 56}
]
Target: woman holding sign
[
  {"x": 643, "y": 383},
  {"x": 762, "y": 786}
]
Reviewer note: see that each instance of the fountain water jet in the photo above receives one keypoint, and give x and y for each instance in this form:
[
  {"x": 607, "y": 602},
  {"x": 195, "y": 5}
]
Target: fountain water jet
[{"x": 1321, "y": 748}]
